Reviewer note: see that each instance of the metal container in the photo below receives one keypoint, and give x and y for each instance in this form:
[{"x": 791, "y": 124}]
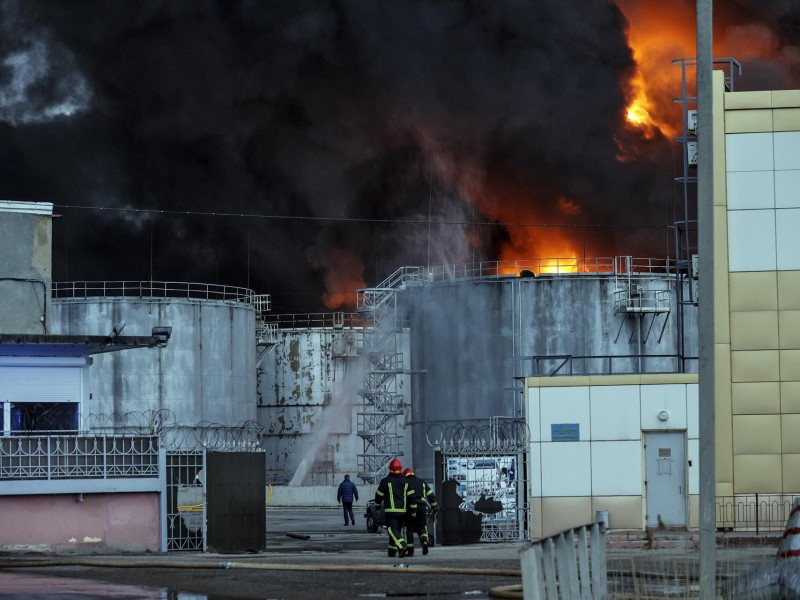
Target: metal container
[{"x": 205, "y": 375}]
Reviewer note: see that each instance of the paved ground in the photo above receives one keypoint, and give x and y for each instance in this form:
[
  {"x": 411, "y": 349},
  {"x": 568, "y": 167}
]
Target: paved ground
[{"x": 310, "y": 554}]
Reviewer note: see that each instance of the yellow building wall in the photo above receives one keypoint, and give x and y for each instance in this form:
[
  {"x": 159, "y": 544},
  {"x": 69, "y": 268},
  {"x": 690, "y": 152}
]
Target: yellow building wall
[{"x": 757, "y": 290}]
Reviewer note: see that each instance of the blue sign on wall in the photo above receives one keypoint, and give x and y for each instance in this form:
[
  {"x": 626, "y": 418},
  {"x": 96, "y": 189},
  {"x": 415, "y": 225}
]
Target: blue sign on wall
[{"x": 565, "y": 432}]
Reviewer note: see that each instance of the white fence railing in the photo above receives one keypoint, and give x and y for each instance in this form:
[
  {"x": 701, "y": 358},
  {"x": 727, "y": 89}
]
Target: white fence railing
[{"x": 569, "y": 565}]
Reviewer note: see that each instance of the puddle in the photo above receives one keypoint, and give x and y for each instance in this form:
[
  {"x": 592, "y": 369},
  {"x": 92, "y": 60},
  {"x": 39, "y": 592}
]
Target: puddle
[{"x": 25, "y": 586}]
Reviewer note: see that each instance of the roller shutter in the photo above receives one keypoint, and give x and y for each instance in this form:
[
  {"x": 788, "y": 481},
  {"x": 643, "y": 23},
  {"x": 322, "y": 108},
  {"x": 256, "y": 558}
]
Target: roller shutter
[{"x": 40, "y": 384}]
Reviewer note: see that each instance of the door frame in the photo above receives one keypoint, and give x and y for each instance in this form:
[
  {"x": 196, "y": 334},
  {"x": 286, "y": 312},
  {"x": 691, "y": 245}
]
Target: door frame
[{"x": 685, "y": 483}]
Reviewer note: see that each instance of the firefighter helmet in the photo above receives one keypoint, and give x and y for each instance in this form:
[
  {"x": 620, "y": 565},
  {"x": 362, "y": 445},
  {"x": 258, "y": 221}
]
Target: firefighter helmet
[
  {"x": 408, "y": 472},
  {"x": 395, "y": 466}
]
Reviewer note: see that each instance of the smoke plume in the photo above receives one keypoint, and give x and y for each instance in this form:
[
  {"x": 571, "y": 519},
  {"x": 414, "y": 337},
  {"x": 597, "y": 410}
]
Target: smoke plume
[{"x": 354, "y": 136}]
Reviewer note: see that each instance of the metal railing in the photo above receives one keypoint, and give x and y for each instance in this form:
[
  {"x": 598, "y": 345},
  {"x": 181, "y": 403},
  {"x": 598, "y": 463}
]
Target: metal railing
[
  {"x": 157, "y": 290},
  {"x": 552, "y": 267},
  {"x": 570, "y": 564},
  {"x": 49, "y": 457},
  {"x": 642, "y": 301},
  {"x": 334, "y": 320},
  {"x": 754, "y": 512},
  {"x": 622, "y": 364}
]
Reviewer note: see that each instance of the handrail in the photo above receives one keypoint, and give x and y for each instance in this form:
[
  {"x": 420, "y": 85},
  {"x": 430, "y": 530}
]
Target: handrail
[
  {"x": 155, "y": 289},
  {"x": 316, "y": 320},
  {"x": 561, "y": 566},
  {"x": 565, "y": 364}
]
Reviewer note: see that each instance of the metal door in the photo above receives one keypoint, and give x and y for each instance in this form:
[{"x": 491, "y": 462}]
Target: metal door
[{"x": 666, "y": 479}]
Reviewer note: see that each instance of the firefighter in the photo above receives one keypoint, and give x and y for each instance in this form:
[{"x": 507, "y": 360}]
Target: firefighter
[
  {"x": 398, "y": 499},
  {"x": 426, "y": 504}
]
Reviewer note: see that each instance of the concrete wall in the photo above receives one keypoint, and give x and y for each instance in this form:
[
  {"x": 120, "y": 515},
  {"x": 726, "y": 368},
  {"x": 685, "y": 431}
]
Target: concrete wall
[
  {"x": 25, "y": 266},
  {"x": 206, "y": 373},
  {"x": 62, "y": 523},
  {"x": 289, "y": 496}
]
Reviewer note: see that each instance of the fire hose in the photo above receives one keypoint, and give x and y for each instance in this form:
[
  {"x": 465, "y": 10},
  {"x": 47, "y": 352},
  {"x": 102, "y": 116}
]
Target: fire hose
[{"x": 502, "y": 592}]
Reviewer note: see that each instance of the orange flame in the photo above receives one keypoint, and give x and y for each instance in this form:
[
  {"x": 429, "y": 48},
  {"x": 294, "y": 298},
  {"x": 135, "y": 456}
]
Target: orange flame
[
  {"x": 658, "y": 32},
  {"x": 344, "y": 274}
]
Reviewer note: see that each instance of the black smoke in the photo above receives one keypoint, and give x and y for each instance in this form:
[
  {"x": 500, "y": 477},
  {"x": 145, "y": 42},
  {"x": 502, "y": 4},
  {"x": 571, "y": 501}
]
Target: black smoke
[{"x": 337, "y": 127}]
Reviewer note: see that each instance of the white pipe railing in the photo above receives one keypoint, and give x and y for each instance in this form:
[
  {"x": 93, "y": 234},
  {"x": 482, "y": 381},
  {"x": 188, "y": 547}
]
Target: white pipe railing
[{"x": 569, "y": 565}]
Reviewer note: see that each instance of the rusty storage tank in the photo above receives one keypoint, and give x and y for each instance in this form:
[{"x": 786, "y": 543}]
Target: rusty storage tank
[
  {"x": 311, "y": 381},
  {"x": 207, "y": 372}
]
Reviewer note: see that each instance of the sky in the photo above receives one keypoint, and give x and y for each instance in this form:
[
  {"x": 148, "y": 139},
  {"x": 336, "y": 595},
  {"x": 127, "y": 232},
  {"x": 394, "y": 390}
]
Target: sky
[{"x": 307, "y": 149}]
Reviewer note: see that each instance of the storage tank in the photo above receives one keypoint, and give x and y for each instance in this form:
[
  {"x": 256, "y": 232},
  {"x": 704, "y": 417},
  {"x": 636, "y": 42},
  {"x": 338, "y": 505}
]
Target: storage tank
[
  {"x": 477, "y": 329},
  {"x": 205, "y": 375},
  {"x": 310, "y": 396},
  {"x": 466, "y": 335}
]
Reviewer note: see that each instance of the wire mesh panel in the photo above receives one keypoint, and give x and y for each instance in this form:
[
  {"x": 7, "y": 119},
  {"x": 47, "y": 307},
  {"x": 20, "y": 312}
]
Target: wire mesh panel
[
  {"x": 481, "y": 479},
  {"x": 487, "y": 486},
  {"x": 185, "y": 501}
]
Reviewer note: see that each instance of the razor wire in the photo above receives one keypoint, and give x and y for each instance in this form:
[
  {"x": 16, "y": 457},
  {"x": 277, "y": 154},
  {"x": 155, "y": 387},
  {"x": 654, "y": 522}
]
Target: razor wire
[
  {"x": 243, "y": 437},
  {"x": 506, "y": 435}
]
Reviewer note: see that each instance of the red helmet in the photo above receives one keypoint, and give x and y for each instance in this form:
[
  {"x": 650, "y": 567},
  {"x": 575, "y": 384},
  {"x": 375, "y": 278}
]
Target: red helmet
[
  {"x": 408, "y": 472},
  {"x": 395, "y": 466}
]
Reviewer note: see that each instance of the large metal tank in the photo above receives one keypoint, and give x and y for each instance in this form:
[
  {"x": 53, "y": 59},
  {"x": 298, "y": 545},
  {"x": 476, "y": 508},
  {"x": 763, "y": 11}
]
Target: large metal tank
[
  {"x": 469, "y": 334},
  {"x": 205, "y": 375},
  {"x": 309, "y": 402},
  {"x": 473, "y": 337}
]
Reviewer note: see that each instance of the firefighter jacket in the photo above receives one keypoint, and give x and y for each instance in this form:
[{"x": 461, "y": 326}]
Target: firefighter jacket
[
  {"x": 422, "y": 492},
  {"x": 395, "y": 494}
]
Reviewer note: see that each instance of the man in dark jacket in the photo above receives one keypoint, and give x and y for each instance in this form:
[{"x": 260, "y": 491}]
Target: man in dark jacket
[
  {"x": 397, "y": 499},
  {"x": 418, "y": 523},
  {"x": 346, "y": 494}
]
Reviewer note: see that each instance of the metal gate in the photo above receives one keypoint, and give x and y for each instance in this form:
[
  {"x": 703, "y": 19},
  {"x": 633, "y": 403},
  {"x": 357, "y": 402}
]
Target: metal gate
[
  {"x": 480, "y": 481},
  {"x": 185, "y": 510},
  {"x": 185, "y": 503}
]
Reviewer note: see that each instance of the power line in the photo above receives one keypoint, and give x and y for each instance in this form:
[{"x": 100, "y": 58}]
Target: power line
[{"x": 406, "y": 221}]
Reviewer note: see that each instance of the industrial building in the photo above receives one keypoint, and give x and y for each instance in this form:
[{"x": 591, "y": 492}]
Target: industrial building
[
  {"x": 135, "y": 454},
  {"x": 536, "y": 394}
]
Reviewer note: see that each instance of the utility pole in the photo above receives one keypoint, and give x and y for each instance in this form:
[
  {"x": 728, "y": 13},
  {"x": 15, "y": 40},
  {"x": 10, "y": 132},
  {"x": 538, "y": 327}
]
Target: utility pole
[{"x": 705, "y": 243}]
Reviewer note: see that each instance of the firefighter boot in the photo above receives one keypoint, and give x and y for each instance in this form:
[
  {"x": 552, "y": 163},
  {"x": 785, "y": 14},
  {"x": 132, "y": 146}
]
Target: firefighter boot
[
  {"x": 392, "y": 552},
  {"x": 424, "y": 547}
]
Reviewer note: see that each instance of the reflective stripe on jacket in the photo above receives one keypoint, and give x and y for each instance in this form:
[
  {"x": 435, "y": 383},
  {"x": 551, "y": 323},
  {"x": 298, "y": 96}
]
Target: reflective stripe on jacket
[
  {"x": 395, "y": 494},
  {"x": 422, "y": 492}
]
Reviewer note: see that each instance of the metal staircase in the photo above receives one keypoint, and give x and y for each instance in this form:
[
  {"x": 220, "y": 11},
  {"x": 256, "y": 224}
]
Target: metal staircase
[{"x": 378, "y": 423}]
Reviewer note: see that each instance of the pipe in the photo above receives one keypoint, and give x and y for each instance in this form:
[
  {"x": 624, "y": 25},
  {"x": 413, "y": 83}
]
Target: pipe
[{"x": 168, "y": 564}]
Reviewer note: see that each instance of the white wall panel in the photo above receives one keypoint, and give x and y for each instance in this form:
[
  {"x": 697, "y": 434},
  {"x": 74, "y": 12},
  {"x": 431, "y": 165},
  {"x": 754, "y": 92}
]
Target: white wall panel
[
  {"x": 693, "y": 456},
  {"x": 532, "y": 414},
  {"x": 787, "y": 238},
  {"x": 615, "y": 412},
  {"x": 787, "y": 189},
  {"x": 787, "y": 150},
  {"x": 749, "y": 152},
  {"x": 535, "y": 470},
  {"x": 617, "y": 468},
  {"x": 566, "y": 469},
  {"x": 751, "y": 189},
  {"x": 565, "y": 405},
  {"x": 692, "y": 411},
  {"x": 751, "y": 240},
  {"x": 671, "y": 398}
]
